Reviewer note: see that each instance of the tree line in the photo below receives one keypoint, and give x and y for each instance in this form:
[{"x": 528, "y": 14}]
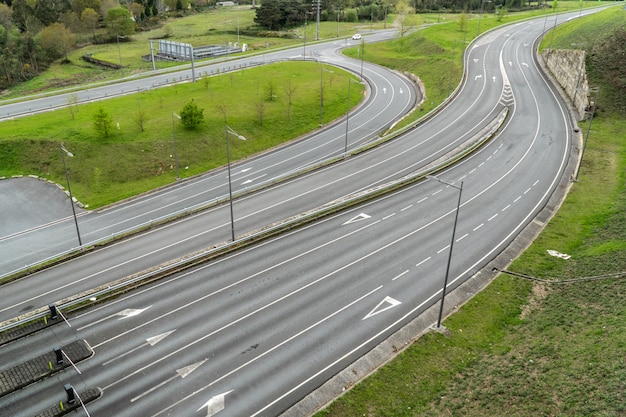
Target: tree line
[
  {"x": 285, "y": 14},
  {"x": 35, "y": 33}
]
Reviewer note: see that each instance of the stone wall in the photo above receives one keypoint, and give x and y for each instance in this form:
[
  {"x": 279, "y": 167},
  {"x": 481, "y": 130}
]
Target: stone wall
[{"x": 568, "y": 68}]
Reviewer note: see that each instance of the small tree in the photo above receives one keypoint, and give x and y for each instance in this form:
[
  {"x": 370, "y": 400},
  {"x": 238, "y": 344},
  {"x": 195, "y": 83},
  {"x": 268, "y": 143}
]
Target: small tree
[
  {"x": 72, "y": 104},
  {"x": 103, "y": 122},
  {"x": 56, "y": 40},
  {"x": 89, "y": 19},
  {"x": 191, "y": 116},
  {"x": 118, "y": 22}
]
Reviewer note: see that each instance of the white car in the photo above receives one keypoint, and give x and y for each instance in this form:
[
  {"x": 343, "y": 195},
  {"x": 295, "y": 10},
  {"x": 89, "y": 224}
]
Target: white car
[{"x": 356, "y": 36}]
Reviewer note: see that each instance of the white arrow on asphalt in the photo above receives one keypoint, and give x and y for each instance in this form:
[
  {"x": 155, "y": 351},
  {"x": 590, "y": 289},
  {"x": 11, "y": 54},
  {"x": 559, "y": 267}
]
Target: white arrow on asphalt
[
  {"x": 182, "y": 372},
  {"x": 477, "y": 77},
  {"x": 384, "y": 90},
  {"x": 357, "y": 218},
  {"x": 246, "y": 169},
  {"x": 215, "y": 404},
  {"x": 156, "y": 339},
  {"x": 131, "y": 312},
  {"x": 510, "y": 64},
  {"x": 524, "y": 64},
  {"x": 384, "y": 305},
  {"x": 494, "y": 79},
  {"x": 401, "y": 91},
  {"x": 475, "y": 60},
  {"x": 151, "y": 341}
]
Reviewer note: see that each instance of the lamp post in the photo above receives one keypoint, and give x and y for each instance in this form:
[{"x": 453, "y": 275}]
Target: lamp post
[
  {"x": 230, "y": 131},
  {"x": 456, "y": 217},
  {"x": 69, "y": 189},
  {"x": 175, "y": 149},
  {"x": 322, "y": 70},
  {"x": 482, "y": 6},
  {"x": 119, "y": 52},
  {"x": 350, "y": 81},
  {"x": 593, "y": 111}
]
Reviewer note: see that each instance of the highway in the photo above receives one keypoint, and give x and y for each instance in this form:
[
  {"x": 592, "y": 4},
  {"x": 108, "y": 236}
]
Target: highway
[
  {"x": 390, "y": 97},
  {"x": 253, "y": 332}
]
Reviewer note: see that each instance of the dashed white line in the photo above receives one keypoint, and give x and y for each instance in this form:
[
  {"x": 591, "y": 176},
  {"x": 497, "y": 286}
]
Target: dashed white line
[
  {"x": 489, "y": 157},
  {"x": 535, "y": 183},
  {"x": 478, "y": 227},
  {"x": 481, "y": 164},
  {"x": 437, "y": 192},
  {"x": 444, "y": 248},
  {"x": 425, "y": 260},
  {"x": 462, "y": 237},
  {"x": 422, "y": 200},
  {"x": 527, "y": 191},
  {"x": 463, "y": 177},
  {"x": 472, "y": 171},
  {"x": 507, "y": 207},
  {"x": 492, "y": 217},
  {"x": 391, "y": 215},
  {"x": 405, "y": 272},
  {"x": 517, "y": 199},
  {"x": 407, "y": 207}
]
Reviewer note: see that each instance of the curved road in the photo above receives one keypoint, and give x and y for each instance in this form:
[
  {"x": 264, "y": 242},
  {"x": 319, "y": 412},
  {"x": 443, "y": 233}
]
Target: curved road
[
  {"x": 255, "y": 331},
  {"x": 390, "y": 97}
]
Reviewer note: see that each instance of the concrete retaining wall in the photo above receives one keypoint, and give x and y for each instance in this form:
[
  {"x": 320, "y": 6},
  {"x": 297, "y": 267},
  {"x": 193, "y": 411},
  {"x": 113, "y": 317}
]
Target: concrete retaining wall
[{"x": 568, "y": 68}]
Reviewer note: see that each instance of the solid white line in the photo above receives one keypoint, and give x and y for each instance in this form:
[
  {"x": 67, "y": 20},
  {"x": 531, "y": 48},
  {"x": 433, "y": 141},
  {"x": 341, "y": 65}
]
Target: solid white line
[
  {"x": 284, "y": 342},
  {"x": 191, "y": 303}
]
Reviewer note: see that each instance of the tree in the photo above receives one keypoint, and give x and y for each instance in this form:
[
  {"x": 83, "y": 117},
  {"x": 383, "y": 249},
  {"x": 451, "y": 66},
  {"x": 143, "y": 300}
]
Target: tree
[
  {"x": 119, "y": 22},
  {"x": 191, "y": 116},
  {"x": 49, "y": 11},
  {"x": 56, "y": 40},
  {"x": 103, "y": 122},
  {"x": 89, "y": 19}
]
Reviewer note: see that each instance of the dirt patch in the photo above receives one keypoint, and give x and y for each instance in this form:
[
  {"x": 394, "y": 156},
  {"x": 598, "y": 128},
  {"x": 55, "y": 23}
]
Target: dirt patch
[{"x": 540, "y": 291}]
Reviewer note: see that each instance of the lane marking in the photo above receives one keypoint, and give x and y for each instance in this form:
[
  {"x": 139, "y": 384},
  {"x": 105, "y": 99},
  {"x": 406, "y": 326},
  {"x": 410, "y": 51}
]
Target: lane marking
[
  {"x": 386, "y": 304},
  {"x": 398, "y": 276}
]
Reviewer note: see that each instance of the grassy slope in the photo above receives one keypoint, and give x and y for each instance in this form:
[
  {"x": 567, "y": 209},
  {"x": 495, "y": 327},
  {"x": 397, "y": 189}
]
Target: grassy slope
[
  {"x": 132, "y": 161},
  {"x": 523, "y": 349}
]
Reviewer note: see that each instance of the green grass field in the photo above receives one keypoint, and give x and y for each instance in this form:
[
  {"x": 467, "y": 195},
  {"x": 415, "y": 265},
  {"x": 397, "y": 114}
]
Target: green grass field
[
  {"x": 131, "y": 161},
  {"x": 529, "y": 349}
]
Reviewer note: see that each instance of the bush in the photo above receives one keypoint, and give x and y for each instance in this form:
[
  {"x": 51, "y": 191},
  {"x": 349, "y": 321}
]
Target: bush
[{"x": 191, "y": 115}]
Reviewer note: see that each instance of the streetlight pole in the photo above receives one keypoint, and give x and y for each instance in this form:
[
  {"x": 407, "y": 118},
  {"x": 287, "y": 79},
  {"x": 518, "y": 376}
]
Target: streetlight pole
[
  {"x": 482, "y": 5},
  {"x": 119, "y": 52},
  {"x": 582, "y": 153},
  {"x": 69, "y": 189},
  {"x": 322, "y": 90},
  {"x": 350, "y": 81},
  {"x": 175, "y": 149},
  {"x": 230, "y": 131},
  {"x": 456, "y": 218}
]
